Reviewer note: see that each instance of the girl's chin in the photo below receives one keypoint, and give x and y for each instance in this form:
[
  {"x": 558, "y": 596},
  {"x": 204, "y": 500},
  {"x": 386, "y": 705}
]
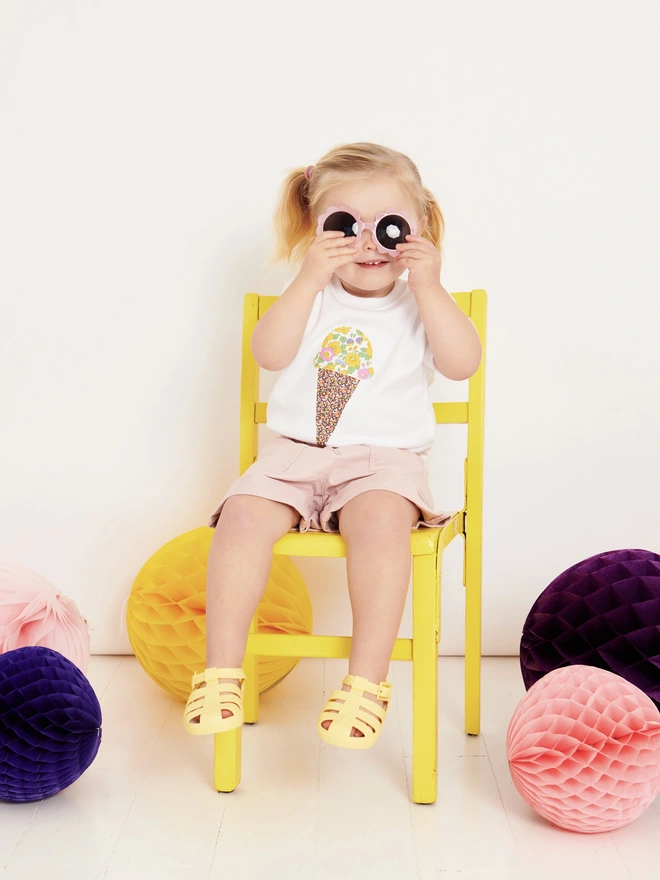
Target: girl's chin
[{"x": 359, "y": 287}]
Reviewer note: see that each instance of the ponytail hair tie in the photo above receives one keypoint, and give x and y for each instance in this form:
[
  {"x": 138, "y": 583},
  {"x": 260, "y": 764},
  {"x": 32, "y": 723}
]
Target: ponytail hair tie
[{"x": 308, "y": 171}]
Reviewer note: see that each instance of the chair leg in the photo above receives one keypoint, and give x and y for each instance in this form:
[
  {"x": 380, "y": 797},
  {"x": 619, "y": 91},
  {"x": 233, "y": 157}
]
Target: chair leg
[
  {"x": 227, "y": 747},
  {"x": 227, "y": 759},
  {"x": 425, "y": 680},
  {"x": 251, "y": 688},
  {"x": 472, "y": 638}
]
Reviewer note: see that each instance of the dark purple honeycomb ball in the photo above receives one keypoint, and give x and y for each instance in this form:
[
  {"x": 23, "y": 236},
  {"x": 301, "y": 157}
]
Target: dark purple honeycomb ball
[
  {"x": 602, "y": 612},
  {"x": 50, "y": 723}
]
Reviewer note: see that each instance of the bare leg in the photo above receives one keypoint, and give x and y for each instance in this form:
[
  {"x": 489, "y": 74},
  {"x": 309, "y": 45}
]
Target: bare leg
[
  {"x": 376, "y": 526},
  {"x": 239, "y": 563}
]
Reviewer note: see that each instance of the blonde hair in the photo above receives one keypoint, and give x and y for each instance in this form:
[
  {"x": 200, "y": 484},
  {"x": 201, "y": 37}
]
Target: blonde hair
[{"x": 295, "y": 213}]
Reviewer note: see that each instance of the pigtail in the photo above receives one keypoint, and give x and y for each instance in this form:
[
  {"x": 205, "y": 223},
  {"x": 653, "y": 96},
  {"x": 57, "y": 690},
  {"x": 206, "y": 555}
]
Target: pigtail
[
  {"x": 435, "y": 227},
  {"x": 292, "y": 218}
]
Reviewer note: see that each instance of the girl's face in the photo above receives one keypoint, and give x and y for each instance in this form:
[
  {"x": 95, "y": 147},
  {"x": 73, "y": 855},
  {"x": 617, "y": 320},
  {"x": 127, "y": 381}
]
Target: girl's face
[{"x": 370, "y": 197}]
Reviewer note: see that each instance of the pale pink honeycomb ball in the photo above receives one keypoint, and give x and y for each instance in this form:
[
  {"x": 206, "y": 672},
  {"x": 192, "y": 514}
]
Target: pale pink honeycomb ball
[
  {"x": 584, "y": 749},
  {"x": 34, "y": 612}
]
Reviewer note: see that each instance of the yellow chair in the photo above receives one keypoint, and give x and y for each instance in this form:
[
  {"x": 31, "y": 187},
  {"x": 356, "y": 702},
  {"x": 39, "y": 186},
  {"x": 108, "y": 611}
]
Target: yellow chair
[{"x": 426, "y": 545}]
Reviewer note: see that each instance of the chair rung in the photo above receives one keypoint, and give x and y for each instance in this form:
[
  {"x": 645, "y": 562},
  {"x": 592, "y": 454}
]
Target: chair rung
[{"x": 303, "y": 645}]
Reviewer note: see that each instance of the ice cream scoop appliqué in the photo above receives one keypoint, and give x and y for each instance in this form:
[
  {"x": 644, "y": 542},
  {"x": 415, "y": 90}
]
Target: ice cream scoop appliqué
[{"x": 343, "y": 362}]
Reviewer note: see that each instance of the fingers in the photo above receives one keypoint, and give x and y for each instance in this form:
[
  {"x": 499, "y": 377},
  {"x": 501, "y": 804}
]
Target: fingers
[
  {"x": 419, "y": 240},
  {"x": 335, "y": 243},
  {"x": 415, "y": 253},
  {"x": 334, "y": 235},
  {"x": 339, "y": 248},
  {"x": 341, "y": 251},
  {"x": 410, "y": 255},
  {"x": 412, "y": 248},
  {"x": 416, "y": 241},
  {"x": 331, "y": 236}
]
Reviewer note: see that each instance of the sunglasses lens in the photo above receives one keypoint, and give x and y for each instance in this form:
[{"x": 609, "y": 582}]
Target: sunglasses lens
[
  {"x": 392, "y": 230},
  {"x": 340, "y": 221}
]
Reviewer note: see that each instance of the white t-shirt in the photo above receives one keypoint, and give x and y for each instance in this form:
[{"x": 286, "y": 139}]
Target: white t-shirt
[{"x": 361, "y": 374}]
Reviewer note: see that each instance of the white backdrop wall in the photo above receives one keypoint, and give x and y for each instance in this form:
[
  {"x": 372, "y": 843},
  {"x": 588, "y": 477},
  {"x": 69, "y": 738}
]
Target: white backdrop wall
[{"x": 142, "y": 147}]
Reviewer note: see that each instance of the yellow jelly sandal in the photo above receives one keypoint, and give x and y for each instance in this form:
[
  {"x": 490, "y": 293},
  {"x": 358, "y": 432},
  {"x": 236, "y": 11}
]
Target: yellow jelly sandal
[
  {"x": 357, "y": 711},
  {"x": 208, "y": 702}
]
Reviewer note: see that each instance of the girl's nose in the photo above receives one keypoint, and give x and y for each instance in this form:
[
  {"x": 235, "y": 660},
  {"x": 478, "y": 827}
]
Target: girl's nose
[{"x": 365, "y": 238}]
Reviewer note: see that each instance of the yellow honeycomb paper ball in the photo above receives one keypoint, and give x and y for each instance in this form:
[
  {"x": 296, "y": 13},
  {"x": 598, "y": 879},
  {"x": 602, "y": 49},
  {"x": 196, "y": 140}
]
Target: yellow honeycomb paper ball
[{"x": 166, "y": 613}]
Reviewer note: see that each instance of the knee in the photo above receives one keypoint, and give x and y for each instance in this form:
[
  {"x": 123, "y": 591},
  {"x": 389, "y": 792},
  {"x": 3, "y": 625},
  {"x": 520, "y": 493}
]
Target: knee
[
  {"x": 239, "y": 516},
  {"x": 246, "y": 517},
  {"x": 380, "y": 523}
]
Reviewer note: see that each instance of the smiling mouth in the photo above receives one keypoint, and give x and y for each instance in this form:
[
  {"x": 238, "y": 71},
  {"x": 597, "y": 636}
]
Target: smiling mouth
[{"x": 373, "y": 264}]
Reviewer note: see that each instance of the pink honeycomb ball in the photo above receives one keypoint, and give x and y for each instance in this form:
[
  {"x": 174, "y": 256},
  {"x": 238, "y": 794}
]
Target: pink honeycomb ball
[
  {"x": 34, "y": 612},
  {"x": 584, "y": 749}
]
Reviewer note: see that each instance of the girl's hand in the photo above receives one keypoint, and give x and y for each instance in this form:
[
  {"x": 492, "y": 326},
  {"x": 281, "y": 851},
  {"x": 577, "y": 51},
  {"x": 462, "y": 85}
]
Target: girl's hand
[
  {"x": 423, "y": 261},
  {"x": 326, "y": 253}
]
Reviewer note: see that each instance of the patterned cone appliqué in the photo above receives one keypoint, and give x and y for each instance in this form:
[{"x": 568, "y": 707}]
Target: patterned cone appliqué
[{"x": 333, "y": 391}]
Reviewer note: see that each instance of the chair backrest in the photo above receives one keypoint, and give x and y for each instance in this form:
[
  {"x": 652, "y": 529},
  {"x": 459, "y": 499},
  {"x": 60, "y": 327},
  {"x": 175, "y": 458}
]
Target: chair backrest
[{"x": 470, "y": 412}]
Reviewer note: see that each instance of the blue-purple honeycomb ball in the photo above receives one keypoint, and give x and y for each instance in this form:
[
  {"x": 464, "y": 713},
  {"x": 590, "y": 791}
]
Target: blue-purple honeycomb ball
[{"x": 50, "y": 723}]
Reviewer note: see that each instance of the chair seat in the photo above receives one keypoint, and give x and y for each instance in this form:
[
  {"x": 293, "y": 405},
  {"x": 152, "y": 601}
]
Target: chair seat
[{"x": 423, "y": 541}]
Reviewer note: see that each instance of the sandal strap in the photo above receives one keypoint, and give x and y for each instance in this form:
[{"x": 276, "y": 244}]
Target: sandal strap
[
  {"x": 212, "y": 703},
  {"x": 359, "y": 712},
  {"x": 364, "y": 709},
  {"x": 382, "y": 691},
  {"x": 224, "y": 691},
  {"x": 210, "y": 700},
  {"x": 207, "y": 703},
  {"x": 213, "y": 673},
  {"x": 342, "y": 726}
]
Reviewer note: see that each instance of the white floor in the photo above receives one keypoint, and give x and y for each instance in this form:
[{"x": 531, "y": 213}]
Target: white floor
[{"x": 147, "y": 808}]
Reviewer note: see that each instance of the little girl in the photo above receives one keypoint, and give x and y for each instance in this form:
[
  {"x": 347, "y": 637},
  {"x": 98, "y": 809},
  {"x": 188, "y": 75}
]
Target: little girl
[{"x": 357, "y": 346}]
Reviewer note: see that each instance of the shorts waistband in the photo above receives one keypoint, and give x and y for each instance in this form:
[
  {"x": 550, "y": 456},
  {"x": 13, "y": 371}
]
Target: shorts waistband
[{"x": 319, "y": 445}]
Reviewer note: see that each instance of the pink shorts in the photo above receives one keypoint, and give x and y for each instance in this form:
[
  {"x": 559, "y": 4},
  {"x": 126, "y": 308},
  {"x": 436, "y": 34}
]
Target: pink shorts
[{"x": 319, "y": 480}]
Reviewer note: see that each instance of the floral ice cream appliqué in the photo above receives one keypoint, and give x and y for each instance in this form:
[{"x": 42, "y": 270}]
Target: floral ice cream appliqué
[{"x": 343, "y": 362}]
